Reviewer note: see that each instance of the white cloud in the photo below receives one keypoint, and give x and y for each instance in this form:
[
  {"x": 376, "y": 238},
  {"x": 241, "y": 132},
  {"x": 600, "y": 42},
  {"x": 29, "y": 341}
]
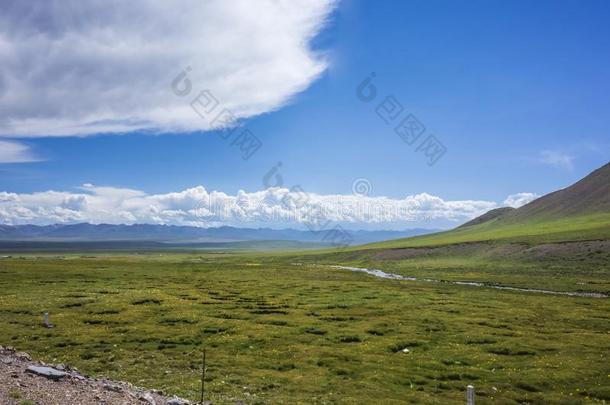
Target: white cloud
[
  {"x": 557, "y": 159},
  {"x": 273, "y": 207},
  {"x": 73, "y": 67},
  {"x": 15, "y": 152},
  {"x": 519, "y": 199}
]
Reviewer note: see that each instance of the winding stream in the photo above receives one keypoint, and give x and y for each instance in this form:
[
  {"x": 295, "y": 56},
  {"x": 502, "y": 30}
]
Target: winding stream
[{"x": 383, "y": 274}]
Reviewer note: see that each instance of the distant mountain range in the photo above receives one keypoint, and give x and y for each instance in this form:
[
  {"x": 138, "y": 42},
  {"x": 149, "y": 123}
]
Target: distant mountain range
[{"x": 85, "y": 232}]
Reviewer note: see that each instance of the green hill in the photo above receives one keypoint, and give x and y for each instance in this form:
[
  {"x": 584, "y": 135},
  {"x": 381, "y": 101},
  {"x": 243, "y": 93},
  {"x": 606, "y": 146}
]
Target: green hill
[
  {"x": 578, "y": 212},
  {"x": 489, "y": 216},
  {"x": 591, "y": 195}
]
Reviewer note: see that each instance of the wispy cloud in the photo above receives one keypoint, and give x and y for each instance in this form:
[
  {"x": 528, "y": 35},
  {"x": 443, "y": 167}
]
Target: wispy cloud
[
  {"x": 15, "y": 152},
  {"x": 274, "y": 207},
  {"x": 557, "y": 159},
  {"x": 73, "y": 67}
]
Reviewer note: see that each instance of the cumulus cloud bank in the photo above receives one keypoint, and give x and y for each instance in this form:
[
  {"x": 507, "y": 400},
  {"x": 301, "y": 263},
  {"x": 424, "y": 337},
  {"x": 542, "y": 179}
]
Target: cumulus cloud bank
[
  {"x": 273, "y": 207},
  {"x": 73, "y": 67}
]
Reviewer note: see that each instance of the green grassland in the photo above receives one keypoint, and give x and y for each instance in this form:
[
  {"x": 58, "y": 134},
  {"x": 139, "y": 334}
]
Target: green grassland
[
  {"x": 582, "y": 227},
  {"x": 566, "y": 266},
  {"x": 571, "y": 254},
  {"x": 276, "y": 332}
]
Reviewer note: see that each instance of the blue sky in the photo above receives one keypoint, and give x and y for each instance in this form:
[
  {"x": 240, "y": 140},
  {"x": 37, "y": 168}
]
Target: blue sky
[{"x": 516, "y": 92}]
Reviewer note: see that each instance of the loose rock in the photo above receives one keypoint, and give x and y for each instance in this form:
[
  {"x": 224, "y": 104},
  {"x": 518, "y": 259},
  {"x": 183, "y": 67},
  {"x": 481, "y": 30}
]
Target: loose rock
[
  {"x": 47, "y": 372},
  {"x": 61, "y": 384},
  {"x": 178, "y": 401},
  {"x": 113, "y": 387},
  {"x": 23, "y": 356},
  {"x": 146, "y": 397}
]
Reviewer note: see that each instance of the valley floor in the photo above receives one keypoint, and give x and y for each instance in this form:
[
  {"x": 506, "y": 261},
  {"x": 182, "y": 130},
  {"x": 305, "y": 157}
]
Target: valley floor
[{"x": 276, "y": 332}]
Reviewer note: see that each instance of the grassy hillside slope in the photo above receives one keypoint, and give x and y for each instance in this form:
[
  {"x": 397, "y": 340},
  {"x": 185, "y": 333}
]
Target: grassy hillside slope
[
  {"x": 578, "y": 212},
  {"x": 585, "y": 227}
]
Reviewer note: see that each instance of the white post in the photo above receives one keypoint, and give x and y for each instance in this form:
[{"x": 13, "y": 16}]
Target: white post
[{"x": 470, "y": 395}]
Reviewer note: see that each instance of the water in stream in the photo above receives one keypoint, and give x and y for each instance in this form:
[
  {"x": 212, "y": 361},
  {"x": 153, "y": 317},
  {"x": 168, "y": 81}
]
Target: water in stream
[{"x": 383, "y": 274}]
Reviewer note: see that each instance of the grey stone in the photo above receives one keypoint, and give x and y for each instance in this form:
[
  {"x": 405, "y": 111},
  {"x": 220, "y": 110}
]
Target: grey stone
[
  {"x": 178, "y": 401},
  {"x": 146, "y": 397},
  {"x": 47, "y": 372},
  {"x": 113, "y": 387},
  {"x": 23, "y": 356}
]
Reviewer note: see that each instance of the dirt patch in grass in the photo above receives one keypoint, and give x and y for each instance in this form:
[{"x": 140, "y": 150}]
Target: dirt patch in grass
[{"x": 568, "y": 249}]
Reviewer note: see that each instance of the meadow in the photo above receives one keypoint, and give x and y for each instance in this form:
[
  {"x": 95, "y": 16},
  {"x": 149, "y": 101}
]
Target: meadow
[{"x": 276, "y": 332}]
